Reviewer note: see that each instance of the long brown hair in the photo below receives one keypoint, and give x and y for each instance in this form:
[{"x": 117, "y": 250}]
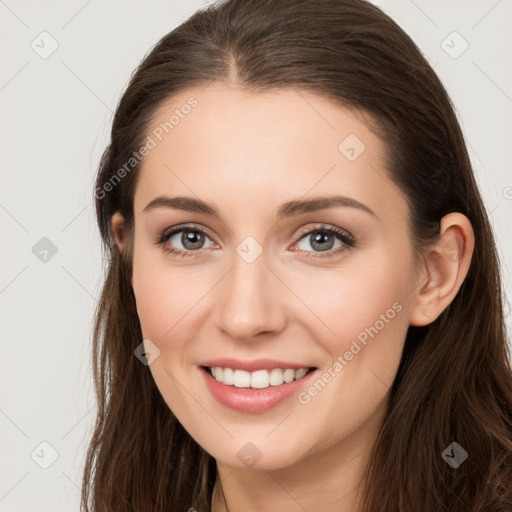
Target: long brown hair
[{"x": 454, "y": 382}]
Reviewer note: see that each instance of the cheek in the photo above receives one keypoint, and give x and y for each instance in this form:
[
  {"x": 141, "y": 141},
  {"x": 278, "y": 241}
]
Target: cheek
[
  {"x": 361, "y": 313},
  {"x": 165, "y": 301},
  {"x": 162, "y": 309},
  {"x": 168, "y": 297},
  {"x": 357, "y": 294},
  {"x": 362, "y": 327},
  {"x": 157, "y": 294},
  {"x": 365, "y": 308}
]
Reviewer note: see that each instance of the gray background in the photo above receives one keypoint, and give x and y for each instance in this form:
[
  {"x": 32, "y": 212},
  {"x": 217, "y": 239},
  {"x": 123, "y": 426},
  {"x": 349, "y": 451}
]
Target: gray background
[{"x": 56, "y": 112}]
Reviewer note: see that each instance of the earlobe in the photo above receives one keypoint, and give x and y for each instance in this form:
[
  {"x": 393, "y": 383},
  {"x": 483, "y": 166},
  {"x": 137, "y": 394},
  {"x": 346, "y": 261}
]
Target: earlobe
[{"x": 445, "y": 267}]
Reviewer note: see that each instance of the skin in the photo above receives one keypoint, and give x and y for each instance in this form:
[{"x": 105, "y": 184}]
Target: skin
[{"x": 247, "y": 153}]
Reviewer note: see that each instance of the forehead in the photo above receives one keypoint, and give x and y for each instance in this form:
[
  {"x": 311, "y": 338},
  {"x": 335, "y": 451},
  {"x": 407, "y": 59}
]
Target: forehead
[{"x": 222, "y": 142}]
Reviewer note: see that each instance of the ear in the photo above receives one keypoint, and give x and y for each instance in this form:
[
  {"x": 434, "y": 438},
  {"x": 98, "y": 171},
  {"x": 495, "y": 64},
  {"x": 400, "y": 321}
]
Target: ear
[
  {"x": 444, "y": 268},
  {"x": 120, "y": 235}
]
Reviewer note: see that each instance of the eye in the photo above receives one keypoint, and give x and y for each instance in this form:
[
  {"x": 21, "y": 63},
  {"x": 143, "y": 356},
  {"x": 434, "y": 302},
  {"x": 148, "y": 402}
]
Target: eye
[
  {"x": 324, "y": 239},
  {"x": 183, "y": 240},
  {"x": 189, "y": 240}
]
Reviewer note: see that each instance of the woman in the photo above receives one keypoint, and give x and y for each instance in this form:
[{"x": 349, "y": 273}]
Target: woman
[{"x": 240, "y": 365}]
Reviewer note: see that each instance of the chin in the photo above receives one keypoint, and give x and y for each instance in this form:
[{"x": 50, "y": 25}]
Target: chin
[{"x": 264, "y": 455}]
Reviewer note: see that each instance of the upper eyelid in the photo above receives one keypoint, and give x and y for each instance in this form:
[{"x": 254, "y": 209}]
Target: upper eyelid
[
  {"x": 184, "y": 227},
  {"x": 324, "y": 227},
  {"x": 188, "y": 227}
]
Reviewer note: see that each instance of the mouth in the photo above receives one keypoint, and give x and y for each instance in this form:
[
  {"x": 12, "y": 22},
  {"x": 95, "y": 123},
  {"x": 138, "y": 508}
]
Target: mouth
[
  {"x": 259, "y": 390},
  {"x": 259, "y": 379}
]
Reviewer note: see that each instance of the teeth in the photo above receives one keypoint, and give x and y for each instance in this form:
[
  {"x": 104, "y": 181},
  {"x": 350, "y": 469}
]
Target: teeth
[
  {"x": 259, "y": 379},
  {"x": 228, "y": 376}
]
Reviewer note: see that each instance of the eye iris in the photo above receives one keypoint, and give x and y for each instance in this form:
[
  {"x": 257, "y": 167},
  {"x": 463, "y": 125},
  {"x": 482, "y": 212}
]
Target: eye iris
[
  {"x": 193, "y": 237},
  {"x": 318, "y": 236}
]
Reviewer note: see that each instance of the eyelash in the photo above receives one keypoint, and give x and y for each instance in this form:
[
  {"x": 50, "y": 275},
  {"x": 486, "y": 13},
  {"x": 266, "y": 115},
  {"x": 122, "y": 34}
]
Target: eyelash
[{"x": 346, "y": 238}]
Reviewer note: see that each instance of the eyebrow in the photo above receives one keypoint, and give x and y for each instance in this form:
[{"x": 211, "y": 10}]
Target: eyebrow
[{"x": 288, "y": 209}]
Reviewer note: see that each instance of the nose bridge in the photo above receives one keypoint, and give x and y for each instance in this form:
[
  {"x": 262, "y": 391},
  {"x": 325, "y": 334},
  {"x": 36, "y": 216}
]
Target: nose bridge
[{"x": 247, "y": 301}]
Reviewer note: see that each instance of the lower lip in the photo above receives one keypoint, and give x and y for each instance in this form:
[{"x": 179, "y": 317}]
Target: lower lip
[{"x": 250, "y": 399}]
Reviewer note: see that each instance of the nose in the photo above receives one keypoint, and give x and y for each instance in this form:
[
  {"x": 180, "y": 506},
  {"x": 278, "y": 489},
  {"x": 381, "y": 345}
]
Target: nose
[{"x": 250, "y": 300}]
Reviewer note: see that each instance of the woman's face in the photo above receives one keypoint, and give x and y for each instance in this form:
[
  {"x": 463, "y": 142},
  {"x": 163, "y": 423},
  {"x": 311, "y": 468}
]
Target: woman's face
[{"x": 261, "y": 287}]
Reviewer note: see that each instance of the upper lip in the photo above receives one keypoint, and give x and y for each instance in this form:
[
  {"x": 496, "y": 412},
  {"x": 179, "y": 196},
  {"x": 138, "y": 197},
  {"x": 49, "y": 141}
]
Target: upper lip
[{"x": 254, "y": 365}]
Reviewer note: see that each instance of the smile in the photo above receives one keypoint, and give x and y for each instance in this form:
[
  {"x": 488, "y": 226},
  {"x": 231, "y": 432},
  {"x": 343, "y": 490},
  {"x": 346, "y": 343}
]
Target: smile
[
  {"x": 259, "y": 379},
  {"x": 255, "y": 391}
]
